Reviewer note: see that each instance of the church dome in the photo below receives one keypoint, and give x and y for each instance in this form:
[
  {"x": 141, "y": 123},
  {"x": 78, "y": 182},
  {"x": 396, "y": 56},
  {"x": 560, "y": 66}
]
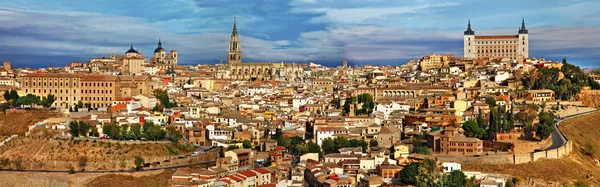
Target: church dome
[
  {"x": 159, "y": 48},
  {"x": 131, "y": 50}
]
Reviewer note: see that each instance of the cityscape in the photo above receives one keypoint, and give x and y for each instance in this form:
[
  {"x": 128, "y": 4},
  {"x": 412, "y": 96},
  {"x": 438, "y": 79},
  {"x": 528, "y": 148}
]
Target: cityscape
[{"x": 490, "y": 111}]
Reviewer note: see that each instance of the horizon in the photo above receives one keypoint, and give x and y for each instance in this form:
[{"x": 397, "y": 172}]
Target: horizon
[{"x": 38, "y": 33}]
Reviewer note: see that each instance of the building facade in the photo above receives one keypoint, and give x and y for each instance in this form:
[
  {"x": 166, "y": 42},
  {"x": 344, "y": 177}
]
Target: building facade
[
  {"x": 498, "y": 46},
  {"x": 97, "y": 90}
]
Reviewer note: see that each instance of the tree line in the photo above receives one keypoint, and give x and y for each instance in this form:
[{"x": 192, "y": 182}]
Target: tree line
[{"x": 147, "y": 131}]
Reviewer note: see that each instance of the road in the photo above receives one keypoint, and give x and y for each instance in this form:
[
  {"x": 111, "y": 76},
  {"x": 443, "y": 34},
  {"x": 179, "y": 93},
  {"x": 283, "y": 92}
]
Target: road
[{"x": 558, "y": 138}]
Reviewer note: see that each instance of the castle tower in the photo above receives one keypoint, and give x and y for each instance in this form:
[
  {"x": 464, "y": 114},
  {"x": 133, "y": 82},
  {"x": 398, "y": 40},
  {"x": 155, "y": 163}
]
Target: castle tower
[
  {"x": 469, "y": 42},
  {"x": 234, "y": 55},
  {"x": 523, "y": 49},
  {"x": 7, "y": 66},
  {"x": 345, "y": 63}
]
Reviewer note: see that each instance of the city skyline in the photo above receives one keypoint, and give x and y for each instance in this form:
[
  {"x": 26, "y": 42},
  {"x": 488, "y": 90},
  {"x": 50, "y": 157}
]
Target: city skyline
[{"x": 309, "y": 30}]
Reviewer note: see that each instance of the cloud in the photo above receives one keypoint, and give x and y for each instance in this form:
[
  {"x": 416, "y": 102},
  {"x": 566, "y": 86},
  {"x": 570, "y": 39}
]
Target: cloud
[{"x": 293, "y": 30}]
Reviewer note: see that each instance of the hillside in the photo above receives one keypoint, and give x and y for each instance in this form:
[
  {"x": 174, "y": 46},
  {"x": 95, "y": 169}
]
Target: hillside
[
  {"x": 17, "y": 122},
  {"x": 160, "y": 179},
  {"x": 100, "y": 155},
  {"x": 575, "y": 167}
]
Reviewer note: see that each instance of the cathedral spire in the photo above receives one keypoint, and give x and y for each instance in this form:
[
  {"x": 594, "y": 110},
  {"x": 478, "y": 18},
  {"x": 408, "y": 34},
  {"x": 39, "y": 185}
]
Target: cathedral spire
[
  {"x": 523, "y": 30},
  {"x": 234, "y": 27},
  {"x": 469, "y": 31},
  {"x": 159, "y": 43}
]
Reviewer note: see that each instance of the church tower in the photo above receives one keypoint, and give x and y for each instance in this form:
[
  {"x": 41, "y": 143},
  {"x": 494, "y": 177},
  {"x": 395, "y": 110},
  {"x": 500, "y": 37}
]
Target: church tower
[
  {"x": 523, "y": 49},
  {"x": 469, "y": 42},
  {"x": 234, "y": 55}
]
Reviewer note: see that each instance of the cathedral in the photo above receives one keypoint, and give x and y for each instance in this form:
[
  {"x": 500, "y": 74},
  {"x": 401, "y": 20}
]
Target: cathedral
[{"x": 250, "y": 71}]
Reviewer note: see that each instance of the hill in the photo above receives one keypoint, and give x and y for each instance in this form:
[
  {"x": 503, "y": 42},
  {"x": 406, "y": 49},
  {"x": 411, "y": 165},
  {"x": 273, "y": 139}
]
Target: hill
[
  {"x": 18, "y": 121},
  {"x": 578, "y": 166}
]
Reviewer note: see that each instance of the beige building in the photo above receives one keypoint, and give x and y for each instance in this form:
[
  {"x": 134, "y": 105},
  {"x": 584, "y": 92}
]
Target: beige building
[
  {"x": 433, "y": 61},
  {"x": 515, "y": 47},
  {"x": 5, "y": 66},
  {"x": 133, "y": 62},
  {"x": 98, "y": 90}
]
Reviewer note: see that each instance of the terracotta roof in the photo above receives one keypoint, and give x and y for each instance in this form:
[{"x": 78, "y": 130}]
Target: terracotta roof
[
  {"x": 98, "y": 78},
  {"x": 248, "y": 173}
]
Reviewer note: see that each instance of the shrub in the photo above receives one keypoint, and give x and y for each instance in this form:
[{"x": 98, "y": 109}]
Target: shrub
[
  {"x": 580, "y": 183},
  {"x": 589, "y": 149}
]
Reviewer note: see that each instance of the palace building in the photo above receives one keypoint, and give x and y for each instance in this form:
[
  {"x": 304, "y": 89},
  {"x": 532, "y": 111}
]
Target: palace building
[
  {"x": 236, "y": 70},
  {"x": 98, "y": 90},
  {"x": 515, "y": 47}
]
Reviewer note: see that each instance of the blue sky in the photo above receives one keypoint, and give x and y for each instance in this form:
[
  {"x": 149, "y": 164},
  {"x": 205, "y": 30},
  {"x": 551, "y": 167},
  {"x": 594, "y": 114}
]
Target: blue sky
[{"x": 39, "y": 32}]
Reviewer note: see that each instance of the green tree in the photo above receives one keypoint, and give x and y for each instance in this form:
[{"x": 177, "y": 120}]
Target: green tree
[
  {"x": 173, "y": 134},
  {"x": 246, "y": 144},
  {"x": 373, "y": 143},
  {"x": 221, "y": 152},
  {"x": 408, "y": 174},
  {"x": 267, "y": 162},
  {"x": 74, "y": 128},
  {"x": 29, "y": 100},
  {"x": 136, "y": 129},
  {"x": 232, "y": 147},
  {"x": 130, "y": 135},
  {"x": 112, "y": 130},
  {"x": 328, "y": 146},
  {"x": 427, "y": 173},
  {"x": 139, "y": 162},
  {"x": 48, "y": 101},
  {"x": 472, "y": 129},
  {"x": 312, "y": 147},
  {"x": 79, "y": 104},
  {"x": 84, "y": 129},
  {"x": 490, "y": 101},
  {"x": 544, "y": 126},
  {"x": 455, "y": 178}
]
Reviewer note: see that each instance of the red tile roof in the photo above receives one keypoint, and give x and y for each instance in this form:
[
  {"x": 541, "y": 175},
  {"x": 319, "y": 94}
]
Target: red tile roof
[
  {"x": 262, "y": 170},
  {"x": 248, "y": 173}
]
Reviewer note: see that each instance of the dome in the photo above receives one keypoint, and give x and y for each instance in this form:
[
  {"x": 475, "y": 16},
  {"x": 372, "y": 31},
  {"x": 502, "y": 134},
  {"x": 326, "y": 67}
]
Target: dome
[
  {"x": 131, "y": 50},
  {"x": 159, "y": 48}
]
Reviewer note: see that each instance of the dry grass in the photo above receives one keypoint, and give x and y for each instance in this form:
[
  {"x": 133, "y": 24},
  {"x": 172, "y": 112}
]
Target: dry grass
[
  {"x": 118, "y": 180},
  {"x": 18, "y": 122},
  {"x": 47, "y": 149},
  {"x": 576, "y": 166}
]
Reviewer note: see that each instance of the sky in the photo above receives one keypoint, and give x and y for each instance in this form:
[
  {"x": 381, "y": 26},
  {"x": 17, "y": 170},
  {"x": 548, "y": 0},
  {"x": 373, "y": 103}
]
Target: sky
[{"x": 36, "y": 33}]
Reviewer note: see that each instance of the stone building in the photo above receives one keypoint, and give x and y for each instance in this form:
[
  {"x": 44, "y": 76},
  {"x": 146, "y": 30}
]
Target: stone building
[
  {"x": 162, "y": 59},
  {"x": 515, "y": 47},
  {"x": 133, "y": 62},
  {"x": 98, "y": 90},
  {"x": 5, "y": 66},
  {"x": 250, "y": 71}
]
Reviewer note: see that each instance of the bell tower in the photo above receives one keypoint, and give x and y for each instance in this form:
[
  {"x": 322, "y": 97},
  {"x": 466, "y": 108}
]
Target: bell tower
[{"x": 234, "y": 55}]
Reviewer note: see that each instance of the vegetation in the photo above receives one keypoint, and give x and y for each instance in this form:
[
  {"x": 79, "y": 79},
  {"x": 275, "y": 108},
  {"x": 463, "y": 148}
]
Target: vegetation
[
  {"x": 163, "y": 97},
  {"x": 455, "y": 178},
  {"x": 544, "y": 126},
  {"x": 408, "y": 174},
  {"x": 79, "y": 128},
  {"x": 473, "y": 130},
  {"x": 139, "y": 161},
  {"x": 366, "y": 101},
  {"x": 427, "y": 173},
  {"x": 148, "y": 131},
  {"x": 589, "y": 149},
  {"x": 420, "y": 148},
  {"x": 333, "y": 145},
  {"x": 572, "y": 82},
  {"x": 11, "y": 97}
]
